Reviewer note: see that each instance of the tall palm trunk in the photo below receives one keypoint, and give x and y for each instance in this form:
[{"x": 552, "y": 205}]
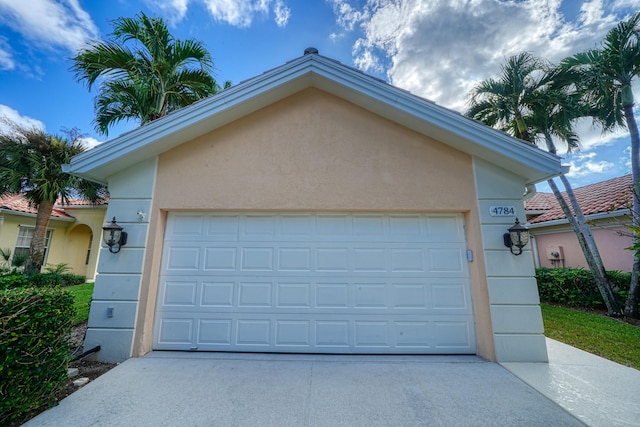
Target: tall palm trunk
[
  {"x": 522, "y": 127},
  {"x": 585, "y": 237},
  {"x": 36, "y": 249},
  {"x": 631, "y": 307}
]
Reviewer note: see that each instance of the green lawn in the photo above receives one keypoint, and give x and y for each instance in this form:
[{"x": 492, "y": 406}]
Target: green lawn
[
  {"x": 609, "y": 338},
  {"x": 82, "y": 300}
]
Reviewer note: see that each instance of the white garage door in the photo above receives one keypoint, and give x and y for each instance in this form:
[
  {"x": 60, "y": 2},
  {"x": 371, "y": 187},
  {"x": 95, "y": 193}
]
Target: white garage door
[{"x": 315, "y": 283}]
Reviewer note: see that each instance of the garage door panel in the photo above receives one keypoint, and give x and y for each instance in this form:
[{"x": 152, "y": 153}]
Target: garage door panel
[
  {"x": 317, "y": 334},
  {"x": 351, "y": 283},
  {"x": 446, "y": 260},
  {"x": 217, "y": 294},
  {"x": 177, "y": 332},
  {"x": 295, "y": 259},
  {"x": 299, "y": 293},
  {"x": 450, "y": 295},
  {"x": 179, "y": 293},
  {"x": 293, "y": 295},
  {"x": 293, "y": 333},
  {"x": 215, "y": 332},
  {"x": 183, "y": 258},
  {"x": 452, "y": 334},
  {"x": 220, "y": 259}
]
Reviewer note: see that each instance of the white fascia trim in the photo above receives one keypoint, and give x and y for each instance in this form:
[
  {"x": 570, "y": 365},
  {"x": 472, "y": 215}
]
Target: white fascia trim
[
  {"x": 315, "y": 71},
  {"x": 592, "y": 217}
]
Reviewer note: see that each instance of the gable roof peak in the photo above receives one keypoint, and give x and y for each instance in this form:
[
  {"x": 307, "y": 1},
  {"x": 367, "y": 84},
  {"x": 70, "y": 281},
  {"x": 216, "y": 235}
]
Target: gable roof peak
[{"x": 313, "y": 70}]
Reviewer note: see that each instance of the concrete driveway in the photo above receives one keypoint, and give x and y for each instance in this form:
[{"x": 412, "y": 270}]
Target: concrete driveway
[{"x": 213, "y": 389}]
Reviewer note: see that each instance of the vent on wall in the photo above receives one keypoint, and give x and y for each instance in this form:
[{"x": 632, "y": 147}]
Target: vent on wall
[{"x": 555, "y": 255}]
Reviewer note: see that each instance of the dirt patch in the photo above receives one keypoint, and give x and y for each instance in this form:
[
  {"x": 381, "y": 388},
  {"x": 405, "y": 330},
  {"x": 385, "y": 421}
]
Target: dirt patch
[{"x": 87, "y": 367}]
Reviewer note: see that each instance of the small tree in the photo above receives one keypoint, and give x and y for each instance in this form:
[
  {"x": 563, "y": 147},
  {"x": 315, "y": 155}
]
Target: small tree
[{"x": 31, "y": 163}]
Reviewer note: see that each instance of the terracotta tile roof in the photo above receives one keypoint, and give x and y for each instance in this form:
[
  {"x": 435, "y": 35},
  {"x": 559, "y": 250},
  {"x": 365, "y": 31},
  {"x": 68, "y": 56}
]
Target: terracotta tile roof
[
  {"x": 541, "y": 202},
  {"x": 82, "y": 202},
  {"x": 17, "y": 203},
  {"x": 605, "y": 196}
]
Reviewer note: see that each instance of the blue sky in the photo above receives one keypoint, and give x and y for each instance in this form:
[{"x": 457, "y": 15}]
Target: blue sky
[{"x": 433, "y": 48}]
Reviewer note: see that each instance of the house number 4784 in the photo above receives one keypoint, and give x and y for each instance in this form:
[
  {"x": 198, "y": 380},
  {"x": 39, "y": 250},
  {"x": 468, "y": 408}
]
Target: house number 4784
[{"x": 502, "y": 210}]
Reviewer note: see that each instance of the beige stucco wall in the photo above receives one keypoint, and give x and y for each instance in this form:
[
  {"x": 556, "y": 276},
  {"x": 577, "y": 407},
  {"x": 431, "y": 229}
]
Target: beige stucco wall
[
  {"x": 9, "y": 234},
  {"x": 611, "y": 246},
  {"x": 86, "y": 229},
  {"x": 313, "y": 151},
  {"x": 9, "y": 230}
]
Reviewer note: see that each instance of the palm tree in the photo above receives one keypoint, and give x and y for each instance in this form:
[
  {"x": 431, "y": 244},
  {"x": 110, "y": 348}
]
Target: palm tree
[
  {"x": 553, "y": 111},
  {"x": 604, "y": 77},
  {"x": 31, "y": 163},
  {"x": 143, "y": 73},
  {"x": 501, "y": 102},
  {"x": 524, "y": 100}
]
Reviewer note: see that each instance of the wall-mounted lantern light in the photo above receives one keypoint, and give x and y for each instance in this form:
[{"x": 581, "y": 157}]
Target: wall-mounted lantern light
[
  {"x": 518, "y": 236},
  {"x": 113, "y": 236}
]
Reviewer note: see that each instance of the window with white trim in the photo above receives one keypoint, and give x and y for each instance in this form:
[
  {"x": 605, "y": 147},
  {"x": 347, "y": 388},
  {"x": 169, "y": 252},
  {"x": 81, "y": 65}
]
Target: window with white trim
[{"x": 25, "y": 236}]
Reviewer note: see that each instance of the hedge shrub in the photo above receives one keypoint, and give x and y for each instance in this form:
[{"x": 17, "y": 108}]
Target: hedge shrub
[
  {"x": 11, "y": 281},
  {"x": 34, "y": 352},
  {"x": 40, "y": 280},
  {"x": 56, "y": 279},
  {"x": 576, "y": 287}
]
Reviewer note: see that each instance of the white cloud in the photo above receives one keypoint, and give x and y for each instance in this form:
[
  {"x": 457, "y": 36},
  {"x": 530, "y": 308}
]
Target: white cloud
[
  {"x": 8, "y": 113},
  {"x": 586, "y": 164},
  {"x": 89, "y": 142},
  {"x": 625, "y": 159},
  {"x": 49, "y": 23},
  {"x": 239, "y": 13},
  {"x": 439, "y": 50},
  {"x": 347, "y": 15},
  {"x": 282, "y": 12},
  {"x": 6, "y": 58},
  {"x": 174, "y": 9}
]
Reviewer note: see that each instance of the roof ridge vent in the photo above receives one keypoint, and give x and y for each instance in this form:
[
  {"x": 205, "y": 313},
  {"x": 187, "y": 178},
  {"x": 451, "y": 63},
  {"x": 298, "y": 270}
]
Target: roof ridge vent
[{"x": 311, "y": 51}]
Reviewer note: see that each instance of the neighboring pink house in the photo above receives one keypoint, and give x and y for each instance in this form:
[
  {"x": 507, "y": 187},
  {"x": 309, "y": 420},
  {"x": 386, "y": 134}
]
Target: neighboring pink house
[{"x": 606, "y": 207}]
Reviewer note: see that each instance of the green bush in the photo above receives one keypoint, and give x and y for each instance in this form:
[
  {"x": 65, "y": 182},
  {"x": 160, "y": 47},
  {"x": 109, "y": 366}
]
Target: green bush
[
  {"x": 576, "y": 287},
  {"x": 40, "y": 280},
  {"x": 55, "y": 279},
  {"x": 33, "y": 350},
  {"x": 11, "y": 281}
]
